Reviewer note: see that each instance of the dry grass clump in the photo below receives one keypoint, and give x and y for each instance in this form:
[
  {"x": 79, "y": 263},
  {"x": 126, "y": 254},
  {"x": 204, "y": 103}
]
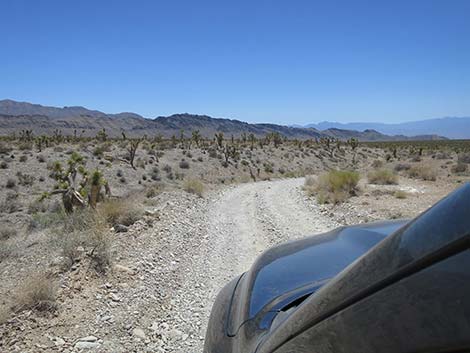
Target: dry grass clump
[
  {"x": 423, "y": 171},
  {"x": 310, "y": 185},
  {"x": 382, "y": 177},
  {"x": 336, "y": 186},
  {"x": 400, "y": 194},
  {"x": 4, "y": 314},
  {"x": 459, "y": 168},
  {"x": 120, "y": 211},
  {"x": 86, "y": 232},
  {"x": 6, "y": 251},
  {"x": 37, "y": 293},
  {"x": 7, "y": 233},
  {"x": 193, "y": 186}
]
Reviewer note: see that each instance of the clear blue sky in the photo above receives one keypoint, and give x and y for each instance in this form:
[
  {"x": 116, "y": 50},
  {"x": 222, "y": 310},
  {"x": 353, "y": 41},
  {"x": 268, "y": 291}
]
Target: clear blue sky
[{"x": 258, "y": 61}]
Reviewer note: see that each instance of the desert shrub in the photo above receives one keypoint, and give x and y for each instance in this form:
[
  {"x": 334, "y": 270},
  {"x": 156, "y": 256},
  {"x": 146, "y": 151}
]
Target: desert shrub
[
  {"x": 101, "y": 251},
  {"x": 336, "y": 186},
  {"x": 7, "y": 232},
  {"x": 184, "y": 164},
  {"x": 459, "y": 168},
  {"x": 443, "y": 155},
  {"x": 122, "y": 180},
  {"x": 23, "y": 158},
  {"x": 155, "y": 174},
  {"x": 11, "y": 183},
  {"x": 212, "y": 153},
  {"x": 25, "y": 179},
  {"x": 25, "y": 146},
  {"x": 167, "y": 168},
  {"x": 400, "y": 194},
  {"x": 140, "y": 163},
  {"x": 401, "y": 166},
  {"x": 200, "y": 159},
  {"x": 422, "y": 171},
  {"x": 3, "y": 165},
  {"x": 310, "y": 185},
  {"x": 154, "y": 190},
  {"x": 464, "y": 158},
  {"x": 382, "y": 177},
  {"x": 37, "y": 206},
  {"x": 193, "y": 186},
  {"x": 4, "y": 149},
  {"x": 377, "y": 163},
  {"x": 120, "y": 211},
  {"x": 268, "y": 167},
  {"x": 10, "y": 203},
  {"x": 37, "y": 293},
  {"x": 99, "y": 150},
  {"x": 41, "y": 158},
  {"x": 6, "y": 251},
  {"x": 189, "y": 154}
]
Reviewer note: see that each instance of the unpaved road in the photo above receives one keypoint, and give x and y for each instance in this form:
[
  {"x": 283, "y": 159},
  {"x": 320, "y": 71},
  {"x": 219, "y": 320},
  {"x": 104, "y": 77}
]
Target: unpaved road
[{"x": 239, "y": 224}]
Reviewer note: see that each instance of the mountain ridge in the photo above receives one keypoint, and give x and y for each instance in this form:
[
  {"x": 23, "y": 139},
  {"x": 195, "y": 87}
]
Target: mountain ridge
[
  {"x": 16, "y": 116},
  {"x": 450, "y": 127}
]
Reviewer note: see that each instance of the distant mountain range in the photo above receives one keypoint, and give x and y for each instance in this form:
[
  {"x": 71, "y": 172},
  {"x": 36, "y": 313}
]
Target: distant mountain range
[
  {"x": 454, "y": 128},
  {"x": 16, "y": 116}
]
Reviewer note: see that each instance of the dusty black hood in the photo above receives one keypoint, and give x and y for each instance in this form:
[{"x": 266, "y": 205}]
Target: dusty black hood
[{"x": 293, "y": 270}]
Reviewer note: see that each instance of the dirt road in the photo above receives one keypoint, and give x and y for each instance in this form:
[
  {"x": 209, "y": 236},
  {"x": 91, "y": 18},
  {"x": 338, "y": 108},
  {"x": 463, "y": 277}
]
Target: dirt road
[{"x": 239, "y": 224}]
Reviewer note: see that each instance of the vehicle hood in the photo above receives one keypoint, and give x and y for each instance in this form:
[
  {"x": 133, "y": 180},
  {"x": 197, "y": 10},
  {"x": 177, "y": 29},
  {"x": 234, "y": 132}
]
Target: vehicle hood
[{"x": 294, "y": 270}]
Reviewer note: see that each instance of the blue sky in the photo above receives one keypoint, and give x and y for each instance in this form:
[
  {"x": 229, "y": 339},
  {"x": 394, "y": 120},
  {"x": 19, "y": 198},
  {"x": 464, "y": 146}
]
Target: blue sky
[{"x": 259, "y": 61}]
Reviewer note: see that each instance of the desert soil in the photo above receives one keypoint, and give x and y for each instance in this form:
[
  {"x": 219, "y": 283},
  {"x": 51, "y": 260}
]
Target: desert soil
[
  {"x": 166, "y": 276},
  {"x": 169, "y": 266}
]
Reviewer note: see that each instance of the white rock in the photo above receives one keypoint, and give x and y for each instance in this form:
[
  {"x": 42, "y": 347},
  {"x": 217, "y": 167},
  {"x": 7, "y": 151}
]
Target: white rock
[
  {"x": 86, "y": 345},
  {"x": 138, "y": 332}
]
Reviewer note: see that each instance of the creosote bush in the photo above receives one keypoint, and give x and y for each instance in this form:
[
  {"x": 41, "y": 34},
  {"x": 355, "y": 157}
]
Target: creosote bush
[
  {"x": 382, "y": 177},
  {"x": 336, "y": 186},
  {"x": 423, "y": 171},
  {"x": 193, "y": 186}
]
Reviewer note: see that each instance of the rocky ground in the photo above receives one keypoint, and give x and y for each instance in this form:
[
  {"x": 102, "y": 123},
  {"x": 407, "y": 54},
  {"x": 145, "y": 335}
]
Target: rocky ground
[{"x": 168, "y": 266}]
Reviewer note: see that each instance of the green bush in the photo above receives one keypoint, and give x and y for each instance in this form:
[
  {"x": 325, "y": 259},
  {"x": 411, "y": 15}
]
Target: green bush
[
  {"x": 382, "y": 177},
  {"x": 193, "y": 186},
  {"x": 336, "y": 186}
]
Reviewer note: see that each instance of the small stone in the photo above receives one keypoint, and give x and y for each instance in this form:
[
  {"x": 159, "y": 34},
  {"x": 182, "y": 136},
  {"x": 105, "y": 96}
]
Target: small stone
[
  {"x": 86, "y": 345},
  {"x": 138, "y": 332},
  {"x": 120, "y": 228},
  {"x": 121, "y": 268},
  {"x": 58, "y": 341},
  {"x": 114, "y": 297},
  {"x": 88, "y": 339}
]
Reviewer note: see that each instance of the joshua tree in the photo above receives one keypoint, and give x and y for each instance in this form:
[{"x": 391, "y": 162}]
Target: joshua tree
[
  {"x": 252, "y": 139},
  {"x": 220, "y": 139},
  {"x": 101, "y": 135},
  {"x": 353, "y": 142},
  {"x": 74, "y": 193},
  {"x": 132, "y": 149},
  {"x": 196, "y": 136}
]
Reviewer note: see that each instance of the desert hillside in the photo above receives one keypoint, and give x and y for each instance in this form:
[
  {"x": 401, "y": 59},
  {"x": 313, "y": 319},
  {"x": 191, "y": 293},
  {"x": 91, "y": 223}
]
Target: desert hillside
[
  {"x": 122, "y": 244},
  {"x": 79, "y": 121}
]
